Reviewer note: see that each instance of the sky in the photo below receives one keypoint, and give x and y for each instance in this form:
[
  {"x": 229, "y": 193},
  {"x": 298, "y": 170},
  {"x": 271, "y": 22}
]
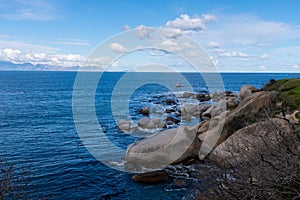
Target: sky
[{"x": 248, "y": 35}]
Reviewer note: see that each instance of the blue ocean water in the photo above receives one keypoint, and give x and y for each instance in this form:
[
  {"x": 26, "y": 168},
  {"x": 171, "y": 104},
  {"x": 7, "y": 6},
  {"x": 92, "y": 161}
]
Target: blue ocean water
[{"x": 38, "y": 134}]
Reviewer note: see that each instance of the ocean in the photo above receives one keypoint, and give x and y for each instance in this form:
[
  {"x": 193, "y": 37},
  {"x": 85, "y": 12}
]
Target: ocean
[{"x": 38, "y": 134}]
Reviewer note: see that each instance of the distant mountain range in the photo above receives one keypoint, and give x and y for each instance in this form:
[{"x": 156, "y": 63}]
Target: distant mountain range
[{"x": 38, "y": 67}]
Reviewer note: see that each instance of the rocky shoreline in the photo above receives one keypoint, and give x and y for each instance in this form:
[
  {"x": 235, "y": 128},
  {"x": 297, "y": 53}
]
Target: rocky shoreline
[{"x": 231, "y": 129}]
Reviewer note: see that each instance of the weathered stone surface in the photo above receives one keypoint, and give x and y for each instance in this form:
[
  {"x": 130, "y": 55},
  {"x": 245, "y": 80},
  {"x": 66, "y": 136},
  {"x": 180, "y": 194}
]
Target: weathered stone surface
[
  {"x": 246, "y": 141},
  {"x": 220, "y": 127},
  {"x": 146, "y": 122},
  {"x": 246, "y": 90},
  {"x": 293, "y": 117},
  {"x": 164, "y": 148}
]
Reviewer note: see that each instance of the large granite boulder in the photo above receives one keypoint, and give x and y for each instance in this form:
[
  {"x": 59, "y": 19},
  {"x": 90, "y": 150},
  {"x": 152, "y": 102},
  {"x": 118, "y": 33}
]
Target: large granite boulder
[
  {"x": 164, "y": 148},
  {"x": 249, "y": 141},
  {"x": 225, "y": 124}
]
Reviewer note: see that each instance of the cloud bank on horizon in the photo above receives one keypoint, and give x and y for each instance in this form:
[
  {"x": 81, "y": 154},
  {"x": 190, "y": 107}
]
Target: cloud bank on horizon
[{"x": 56, "y": 34}]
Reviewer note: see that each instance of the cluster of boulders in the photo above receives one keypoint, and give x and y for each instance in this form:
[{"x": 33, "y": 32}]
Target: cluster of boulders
[
  {"x": 221, "y": 137},
  {"x": 209, "y": 105}
]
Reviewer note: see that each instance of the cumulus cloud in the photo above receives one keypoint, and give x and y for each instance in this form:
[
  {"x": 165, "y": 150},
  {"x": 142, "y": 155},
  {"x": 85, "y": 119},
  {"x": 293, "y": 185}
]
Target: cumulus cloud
[
  {"x": 295, "y": 66},
  {"x": 142, "y": 32},
  {"x": 18, "y": 56},
  {"x": 214, "y": 44},
  {"x": 117, "y": 47},
  {"x": 188, "y": 24},
  {"x": 126, "y": 28}
]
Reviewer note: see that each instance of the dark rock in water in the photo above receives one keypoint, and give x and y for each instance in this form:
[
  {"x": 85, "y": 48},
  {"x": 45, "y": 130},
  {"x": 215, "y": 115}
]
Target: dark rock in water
[
  {"x": 180, "y": 182},
  {"x": 173, "y": 119},
  {"x": 145, "y": 110},
  {"x": 170, "y": 102},
  {"x": 150, "y": 177},
  {"x": 170, "y": 110},
  {"x": 203, "y": 97}
]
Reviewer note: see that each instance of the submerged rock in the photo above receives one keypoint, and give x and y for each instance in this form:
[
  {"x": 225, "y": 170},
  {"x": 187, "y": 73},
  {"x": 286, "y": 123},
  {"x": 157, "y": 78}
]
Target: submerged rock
[
  {"x": 145, "y": 110},
  {"x": 150, "y": 177}
]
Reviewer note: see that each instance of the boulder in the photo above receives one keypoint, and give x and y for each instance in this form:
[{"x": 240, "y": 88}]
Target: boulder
[
  {"x": 232, "y": 102},
  {"x": 159, "y": 150},
  {"x": 150, "y": 177},
  {"x": 179, "y": 85},
  {"x": 124, "y": 125},
  {"x": 246, "y": 90},
  {"x": 170, "y": 102},
  {"x": 225, "y": 124},
  {"x": 145, "y": 110},
  {"x": 249, "y": 141},
  {"x": 187, "y": 94},
  {"x": 146, "y": 122},
  {"x": 186, "y": 117},
  {"x": 173, "y": 120}
]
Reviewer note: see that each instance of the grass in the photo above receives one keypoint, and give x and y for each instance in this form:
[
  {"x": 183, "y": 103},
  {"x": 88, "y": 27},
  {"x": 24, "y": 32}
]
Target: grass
[{"x": 289, "y": 91}]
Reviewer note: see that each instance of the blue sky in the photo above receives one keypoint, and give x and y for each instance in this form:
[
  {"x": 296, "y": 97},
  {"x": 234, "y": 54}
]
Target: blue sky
[{"x": 248, "y": 35}]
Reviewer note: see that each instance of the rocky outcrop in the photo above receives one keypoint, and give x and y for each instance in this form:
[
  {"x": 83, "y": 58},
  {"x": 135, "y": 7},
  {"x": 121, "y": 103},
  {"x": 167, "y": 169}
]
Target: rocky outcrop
[
  {"x": 246, "y": 90},
  {"x": 164, "y": 148},
  {"x": 223, "y": 125},
  {"x": 248, "y": 141}
]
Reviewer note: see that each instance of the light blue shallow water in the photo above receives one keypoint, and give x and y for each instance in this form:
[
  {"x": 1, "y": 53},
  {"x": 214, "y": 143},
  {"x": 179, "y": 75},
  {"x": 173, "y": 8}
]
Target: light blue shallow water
[{"x": 37, "y": 133}]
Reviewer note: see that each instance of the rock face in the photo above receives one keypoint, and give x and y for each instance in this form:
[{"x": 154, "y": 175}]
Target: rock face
[
  {"x": 222, "y": 126},
  {"x": 246, "y": 90},
  {"x": 248, "y": 141},
  {"x": 150, "y": 177},
  {"x": 164, "y": 148}
]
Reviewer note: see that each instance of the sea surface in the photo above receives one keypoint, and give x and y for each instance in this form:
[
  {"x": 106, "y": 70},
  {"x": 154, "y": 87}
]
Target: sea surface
[{"x": 38, "y": 134}]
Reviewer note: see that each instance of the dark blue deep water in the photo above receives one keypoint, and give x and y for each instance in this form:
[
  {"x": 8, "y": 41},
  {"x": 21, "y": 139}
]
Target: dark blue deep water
[{"x": 38, "y": 134}]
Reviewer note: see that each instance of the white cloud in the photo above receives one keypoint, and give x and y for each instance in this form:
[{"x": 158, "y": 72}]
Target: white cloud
[
  {"x": 126, "y": 28},
  {"x": 264, "y": 56},
  {"x": 28, "y": 10},
  {"x": 72, "y": 42},
  {"x": 117, "y": 47},
  {"x": 18, "y": 56},
  {"x": 143, "y": 32},
  {"x": 188, "y": 24},
  {"x": 234, "y": 54},
  {"x": 214, "y": 44}
]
